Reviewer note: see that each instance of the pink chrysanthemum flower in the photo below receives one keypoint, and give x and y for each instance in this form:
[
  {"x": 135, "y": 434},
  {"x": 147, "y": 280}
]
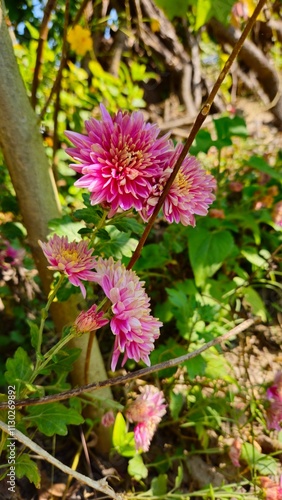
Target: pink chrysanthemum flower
[
  {"x": 147, "y": 410},
  {"x": 71, "y": 258},
  {"x": 119, "y": 159},
  {"x": 190, "y": 193},
  {"x": 132, "y": 324},
  {"x": 88, "y": 321}
]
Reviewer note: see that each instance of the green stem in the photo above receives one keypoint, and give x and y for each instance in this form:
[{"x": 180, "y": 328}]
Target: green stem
[
  {"x": 52, "y": 352},
  {"x": 100, "y": 225},
  {"x": 44, "y": 314}
]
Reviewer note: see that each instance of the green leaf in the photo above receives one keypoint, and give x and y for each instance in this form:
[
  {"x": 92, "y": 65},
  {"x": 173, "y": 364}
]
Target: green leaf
[
  {"x": 127, "y": 224},
  {"x": 66, "y": 227},
  {"x": 159, "y": 485},
  {"x": 264, "y": 464},
  {"x": 206, "y": 9},
  {"x": 153, "y": 256},
  {"x": 207, "y": 251},
  {"x": 251, "y": 254},
  {"x": 252, "y": 298},
  {"x": 260, "y": 164},
  {"x": 196, "y": 366},
  {"x": 26, "y": 467},
  {"x": 63, "y": 362},
  {"x": 53, "y": 418},
  {"x": 19, "y": 369},
  {"x": 89, "y": 215},
  {"x": 136, "y": 468},
  {"x": 175, "y": 404},
  {"x": 172, "y": 9},
  {"x": 34, "y": 333},
  {"x": 123, "y": 441},
  {"x": 203, "y": 142},
  {"x": 179, "y": 477}
]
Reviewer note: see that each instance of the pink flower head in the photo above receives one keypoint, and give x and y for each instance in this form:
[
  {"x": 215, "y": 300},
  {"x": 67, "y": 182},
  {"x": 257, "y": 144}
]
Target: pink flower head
[
  {"x": 10, "y": 256},
  {"x": 190, "y": 193},
  {"x": 271, "y": 489},
  {"x": 118, "y": 159},
  {"x": 274, "y": 410},
  {"x": 277, "y": 213},
  {"x": 132, "y": 324},
  {"x": 73, "y": 259},
  {"x": 108, "y": 419},
  {"x": 147, "y": 410},
  {"x": 88, "y": 321},
  {"x": 235, "y": 452}
]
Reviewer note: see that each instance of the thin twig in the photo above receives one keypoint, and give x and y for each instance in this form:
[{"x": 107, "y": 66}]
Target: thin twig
[
  {"x": 100, "y": 485},
  {"x": 138, "y": 374},
  {"x": 43, "y": 33},
  {"x": 195, "y": 129},
  {"x": 57, "y": 82}
]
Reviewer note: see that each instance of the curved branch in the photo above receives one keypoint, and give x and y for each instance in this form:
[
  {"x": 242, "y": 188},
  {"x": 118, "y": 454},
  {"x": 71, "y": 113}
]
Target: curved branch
[
  {"x": 100, "y": 485},
  {"x": 140, "y": 373}
]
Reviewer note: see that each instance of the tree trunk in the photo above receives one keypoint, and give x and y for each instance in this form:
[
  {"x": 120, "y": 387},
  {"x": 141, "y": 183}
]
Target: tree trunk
[{"x": 34, "y": 185}]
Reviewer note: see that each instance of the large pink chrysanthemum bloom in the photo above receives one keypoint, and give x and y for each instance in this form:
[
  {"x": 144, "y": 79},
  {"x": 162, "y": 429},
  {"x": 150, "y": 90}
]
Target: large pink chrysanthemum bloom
[
  {"x": 88, "y": 321},
  {"x": 118, "y": 159},
  {"x": 132, "y": 324},
  {"x": 70, "y": 258},
  {"x": 147, "y": 410},
  {"x": 190, "y": 193}
]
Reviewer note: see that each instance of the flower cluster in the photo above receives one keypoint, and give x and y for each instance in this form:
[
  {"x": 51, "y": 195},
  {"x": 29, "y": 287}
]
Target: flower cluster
[
  {"x": 146, "y": 411},
  {"x": 124, "y": 164},
  {"x": 80, "y": 40},
  {"x": 132, "y": 324},
  {"x": 274, "y": 410}
]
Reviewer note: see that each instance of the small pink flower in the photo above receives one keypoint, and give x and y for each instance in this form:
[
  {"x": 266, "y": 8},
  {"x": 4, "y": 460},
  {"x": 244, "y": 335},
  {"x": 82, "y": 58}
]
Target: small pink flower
[
  {"x": 10, "y": 256},
  {"x": 147, "y": 410},
  {"x": 190, "y": 193},
  {"x": 235, "y": 451},
  {"x": 132, "y": 324},
  {"x": 217, "y": 213},
  {"x": 271, "y": 490},
  {"x": 108, "y": 419},
  {"x": 274, "y": 410},
  {"x": 236, "y": 186},
  {"x": 118, "y": 159},
  {"x": 88, "y": 321},
  {"x": 73, "y": 259},
  {"x": 277, "y": 213}
]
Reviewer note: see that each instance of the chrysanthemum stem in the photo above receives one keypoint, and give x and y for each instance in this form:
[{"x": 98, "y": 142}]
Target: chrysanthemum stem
[
  {"x": 195, "y": 129},
  {"x": 44, "y": 314}
]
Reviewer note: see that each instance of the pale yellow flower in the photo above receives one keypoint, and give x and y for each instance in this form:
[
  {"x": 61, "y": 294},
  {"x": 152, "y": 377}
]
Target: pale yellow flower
[{"x": 80, "y": 40}]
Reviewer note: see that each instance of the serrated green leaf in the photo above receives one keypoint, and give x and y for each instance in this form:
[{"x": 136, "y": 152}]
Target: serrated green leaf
[
  {"x": 136, "y": 468},
  {"x": 89, "y": 215},
  {"x": 175, "y": 404},
  {"x": 19, "y": 369},
  {"x": 64, "y": 360},
  {"x": 53, "y": 418},
  {"x": 264, "y": 464},
  {"x": 34, "y": 333},
  {"x": 207, "y": 251},
  {"x": 159, "y": 485},
  {"x": 103, "y": 235},
  {"x": 25, "y": 467},
  {"x": 128, "y": 224}
]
